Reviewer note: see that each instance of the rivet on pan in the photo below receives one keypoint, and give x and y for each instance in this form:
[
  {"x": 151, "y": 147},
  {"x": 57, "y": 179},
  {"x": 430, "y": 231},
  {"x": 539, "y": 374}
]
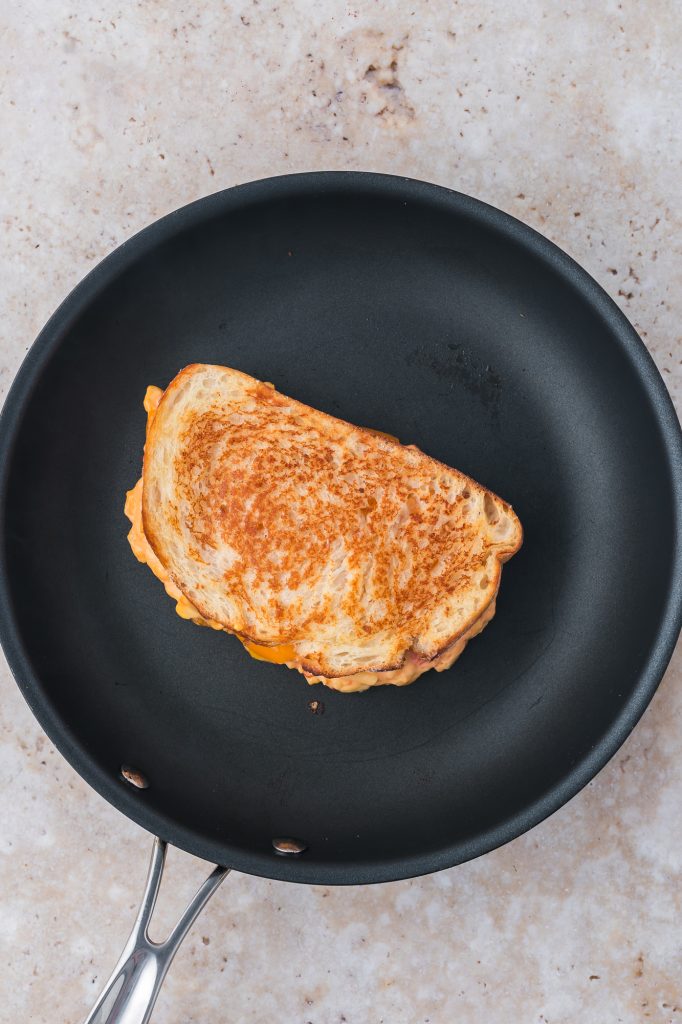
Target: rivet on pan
[
  {"x": 288, "y": 846},
  {"x": 135, "y": 778}
]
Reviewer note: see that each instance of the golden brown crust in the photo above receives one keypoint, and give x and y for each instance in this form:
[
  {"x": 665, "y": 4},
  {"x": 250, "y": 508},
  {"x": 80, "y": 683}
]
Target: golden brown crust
[
  {"x": 412, "y": 668},
  {"x": 301, "y": 500}
]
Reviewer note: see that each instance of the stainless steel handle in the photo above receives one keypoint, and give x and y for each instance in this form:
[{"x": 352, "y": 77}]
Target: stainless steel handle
[{"x": 130, "y": 993}]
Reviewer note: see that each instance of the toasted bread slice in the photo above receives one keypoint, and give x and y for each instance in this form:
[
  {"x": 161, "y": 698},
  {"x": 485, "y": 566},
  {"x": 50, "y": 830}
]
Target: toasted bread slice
[{"x": 290, "y": 527}]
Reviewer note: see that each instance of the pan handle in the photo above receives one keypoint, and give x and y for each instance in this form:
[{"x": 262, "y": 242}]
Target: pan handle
[{"x": 130, "y": 993}]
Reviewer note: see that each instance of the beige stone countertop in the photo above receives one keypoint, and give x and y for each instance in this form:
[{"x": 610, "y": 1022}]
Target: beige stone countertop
[{"x": 565, "y": 115}]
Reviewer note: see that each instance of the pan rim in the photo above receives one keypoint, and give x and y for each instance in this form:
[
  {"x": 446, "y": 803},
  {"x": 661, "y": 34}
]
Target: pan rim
[{"x": 303, "y": 869}]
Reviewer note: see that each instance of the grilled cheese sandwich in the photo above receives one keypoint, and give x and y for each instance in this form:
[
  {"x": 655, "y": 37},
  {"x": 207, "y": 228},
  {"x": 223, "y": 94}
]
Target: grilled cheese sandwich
[{"x": 331, "y": 549}]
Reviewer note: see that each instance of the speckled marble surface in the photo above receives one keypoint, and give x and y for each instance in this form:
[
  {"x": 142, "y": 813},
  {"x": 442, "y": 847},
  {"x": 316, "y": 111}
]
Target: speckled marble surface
[{"x": 112, "y": 115}]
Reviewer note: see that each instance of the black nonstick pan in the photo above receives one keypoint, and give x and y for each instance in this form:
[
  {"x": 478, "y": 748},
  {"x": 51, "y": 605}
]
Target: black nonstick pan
[{"x": 418, "y": 311}]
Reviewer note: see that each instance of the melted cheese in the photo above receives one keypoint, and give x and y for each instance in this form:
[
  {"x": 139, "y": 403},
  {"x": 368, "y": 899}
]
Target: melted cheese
[
  {"x": 152, "y": 397},
  {"x": 281, "y": 654}
]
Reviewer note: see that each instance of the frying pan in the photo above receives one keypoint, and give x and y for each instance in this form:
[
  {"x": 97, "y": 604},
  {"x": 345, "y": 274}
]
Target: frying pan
[{"x": 393, "y": 304}]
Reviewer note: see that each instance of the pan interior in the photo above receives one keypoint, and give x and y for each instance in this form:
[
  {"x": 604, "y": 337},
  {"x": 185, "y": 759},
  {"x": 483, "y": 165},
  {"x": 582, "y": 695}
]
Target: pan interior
[{"x": 409, "y": 310}]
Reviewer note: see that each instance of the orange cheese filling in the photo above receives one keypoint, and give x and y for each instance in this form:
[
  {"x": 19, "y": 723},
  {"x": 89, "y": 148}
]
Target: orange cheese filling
[{"x": 281, "y": 654}]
